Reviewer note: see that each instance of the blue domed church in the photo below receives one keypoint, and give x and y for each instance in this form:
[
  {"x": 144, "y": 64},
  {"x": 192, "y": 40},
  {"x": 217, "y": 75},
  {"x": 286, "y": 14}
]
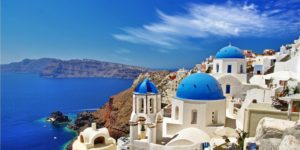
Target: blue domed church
[
  {"x": 229, "y": 68},
  {"x": 146, "y": 117},
  {"x": 199, "y": 103},
  {"x": 197, "y": 110}
]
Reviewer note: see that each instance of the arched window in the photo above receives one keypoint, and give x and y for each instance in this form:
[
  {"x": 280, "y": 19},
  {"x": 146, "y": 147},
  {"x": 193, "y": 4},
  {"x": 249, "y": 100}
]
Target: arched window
[
  {"x": 194, "y": 117},
  {"x": 81, "y": 139},
  {"x": 241, "y": 69},
  {"x": 217, "y": 68},
  {"x": 176, "y": 113},
  {"x": 99, "y": 140}
]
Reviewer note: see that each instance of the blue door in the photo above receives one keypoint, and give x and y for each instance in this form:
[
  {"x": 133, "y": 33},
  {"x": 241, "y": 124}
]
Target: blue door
[
  {"x": 227, "y": 89},
  {"x": 229, "y": 69}
]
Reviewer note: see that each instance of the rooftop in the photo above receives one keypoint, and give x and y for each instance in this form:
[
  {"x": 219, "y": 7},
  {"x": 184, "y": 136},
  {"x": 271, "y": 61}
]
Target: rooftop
[
  {"x": 199, "y": 86},
  {"x": 230, "y": 52},
  {"x": 146, "y": 87}
]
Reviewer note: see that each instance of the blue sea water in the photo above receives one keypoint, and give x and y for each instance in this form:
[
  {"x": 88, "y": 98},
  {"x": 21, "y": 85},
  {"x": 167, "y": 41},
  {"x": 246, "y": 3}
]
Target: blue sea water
[{"x": 26, "y": 99}]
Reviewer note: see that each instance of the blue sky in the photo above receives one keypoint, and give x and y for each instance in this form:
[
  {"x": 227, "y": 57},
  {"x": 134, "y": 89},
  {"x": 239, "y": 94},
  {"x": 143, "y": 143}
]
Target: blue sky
[{"x": 150, "y": 33}]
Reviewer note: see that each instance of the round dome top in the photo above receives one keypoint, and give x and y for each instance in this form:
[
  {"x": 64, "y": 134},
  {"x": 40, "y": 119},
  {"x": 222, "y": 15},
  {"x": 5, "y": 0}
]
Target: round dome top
[
  {"x": 230, "y": 52},
  {"x": 199, "y": 86},
  {"x": 146, "y": 87}
]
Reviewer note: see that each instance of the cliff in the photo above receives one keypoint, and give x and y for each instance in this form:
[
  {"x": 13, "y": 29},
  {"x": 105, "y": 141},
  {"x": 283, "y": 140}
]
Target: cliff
[
  {"x": 115, "y": 114},
  {"x": 56, "y": 68}
]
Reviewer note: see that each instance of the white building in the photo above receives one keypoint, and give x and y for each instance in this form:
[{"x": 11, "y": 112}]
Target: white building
[
  {"x": 286, "y": 75},
  {"x": 261, "y": 64},
  {"x": 199, "y": 103},
  {"x": 293, "y": 63},
  {"x": 229, "y": 68},
  {"x": 198, "y": 109},
  {"x": 94, "y": 139},
  {"x": 172, "y": 84},
  {"x": 181, "y": 73},
  {"x": 146, "y": 117}
]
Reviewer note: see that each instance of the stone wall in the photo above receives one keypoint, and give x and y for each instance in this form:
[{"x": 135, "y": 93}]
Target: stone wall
[{"x": 252, "y": 118}]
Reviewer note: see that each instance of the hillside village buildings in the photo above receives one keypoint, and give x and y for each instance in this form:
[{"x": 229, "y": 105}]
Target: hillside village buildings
[{"x": 232, "y": 85}]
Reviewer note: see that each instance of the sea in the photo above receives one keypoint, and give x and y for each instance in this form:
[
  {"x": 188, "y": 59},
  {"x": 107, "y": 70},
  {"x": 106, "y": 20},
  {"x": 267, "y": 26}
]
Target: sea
[{"x": 28, "y": 99}]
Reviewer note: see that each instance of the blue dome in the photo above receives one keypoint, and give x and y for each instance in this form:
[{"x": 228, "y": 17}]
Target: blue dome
[
  {"x": 146, "y": 87},
  {"x": 199, "y": 86},
  {"x": 230, "y": 52}
]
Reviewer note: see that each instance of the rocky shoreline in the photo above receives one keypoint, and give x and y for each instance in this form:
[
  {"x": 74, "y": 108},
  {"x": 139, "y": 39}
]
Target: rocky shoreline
[
  {"x": 57, "y": 118},
  {"x": 83, "y": 120}
]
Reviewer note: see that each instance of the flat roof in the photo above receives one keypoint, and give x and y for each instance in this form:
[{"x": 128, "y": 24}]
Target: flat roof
[{"x": 262, "y": 106}]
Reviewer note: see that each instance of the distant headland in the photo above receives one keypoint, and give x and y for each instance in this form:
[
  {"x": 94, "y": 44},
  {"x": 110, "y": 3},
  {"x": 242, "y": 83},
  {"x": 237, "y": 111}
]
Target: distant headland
[{"x": 74, "y": 68}]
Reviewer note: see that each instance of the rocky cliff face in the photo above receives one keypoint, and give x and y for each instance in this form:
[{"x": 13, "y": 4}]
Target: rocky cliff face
[
  {"x": 28, "y": 65},
  {"x": 56, "y": 68}
]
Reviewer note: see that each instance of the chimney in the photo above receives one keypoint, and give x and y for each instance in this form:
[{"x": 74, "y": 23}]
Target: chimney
[{"x": 94, "y": 126}]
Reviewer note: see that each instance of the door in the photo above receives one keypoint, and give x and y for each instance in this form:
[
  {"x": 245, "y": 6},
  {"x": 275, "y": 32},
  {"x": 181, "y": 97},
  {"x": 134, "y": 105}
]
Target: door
[
  {"x": 258, "y": 72},
  {"x": 227, "y": 89}
]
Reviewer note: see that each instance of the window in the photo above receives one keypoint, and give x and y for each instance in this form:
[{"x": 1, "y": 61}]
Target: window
[
  {"x": 176, "y": 113},
  {"x": 151, "y": 105},
  {"x": 227, "y": 89},
  {"x": 241, "y": 69},
  {"x": 81, "y": 139},
  {"x": 141, "y": 109},
  {"x": 136, "y": 106},
  {"x": 229, "y": 69},
  {"x": 214, "y": 117},
  {"x": 218, "y": 67},
  {"x": 194, "y": 117}
]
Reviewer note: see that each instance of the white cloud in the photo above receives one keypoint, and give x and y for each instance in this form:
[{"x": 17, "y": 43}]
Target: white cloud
[{"x": 202, "y": 21}]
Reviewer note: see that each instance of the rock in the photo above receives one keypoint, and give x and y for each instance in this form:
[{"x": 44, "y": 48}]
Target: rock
[
  {"x": 277, "y": 134},
  {"x": 292, "y": 131},
  {"x": 272, "y": 128},
  {"x": 289, "y": 142},
  {"x": 83, "y": 120},
  {"x": 269, "y": 144},
  {"x": 58, "y": 117}
]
